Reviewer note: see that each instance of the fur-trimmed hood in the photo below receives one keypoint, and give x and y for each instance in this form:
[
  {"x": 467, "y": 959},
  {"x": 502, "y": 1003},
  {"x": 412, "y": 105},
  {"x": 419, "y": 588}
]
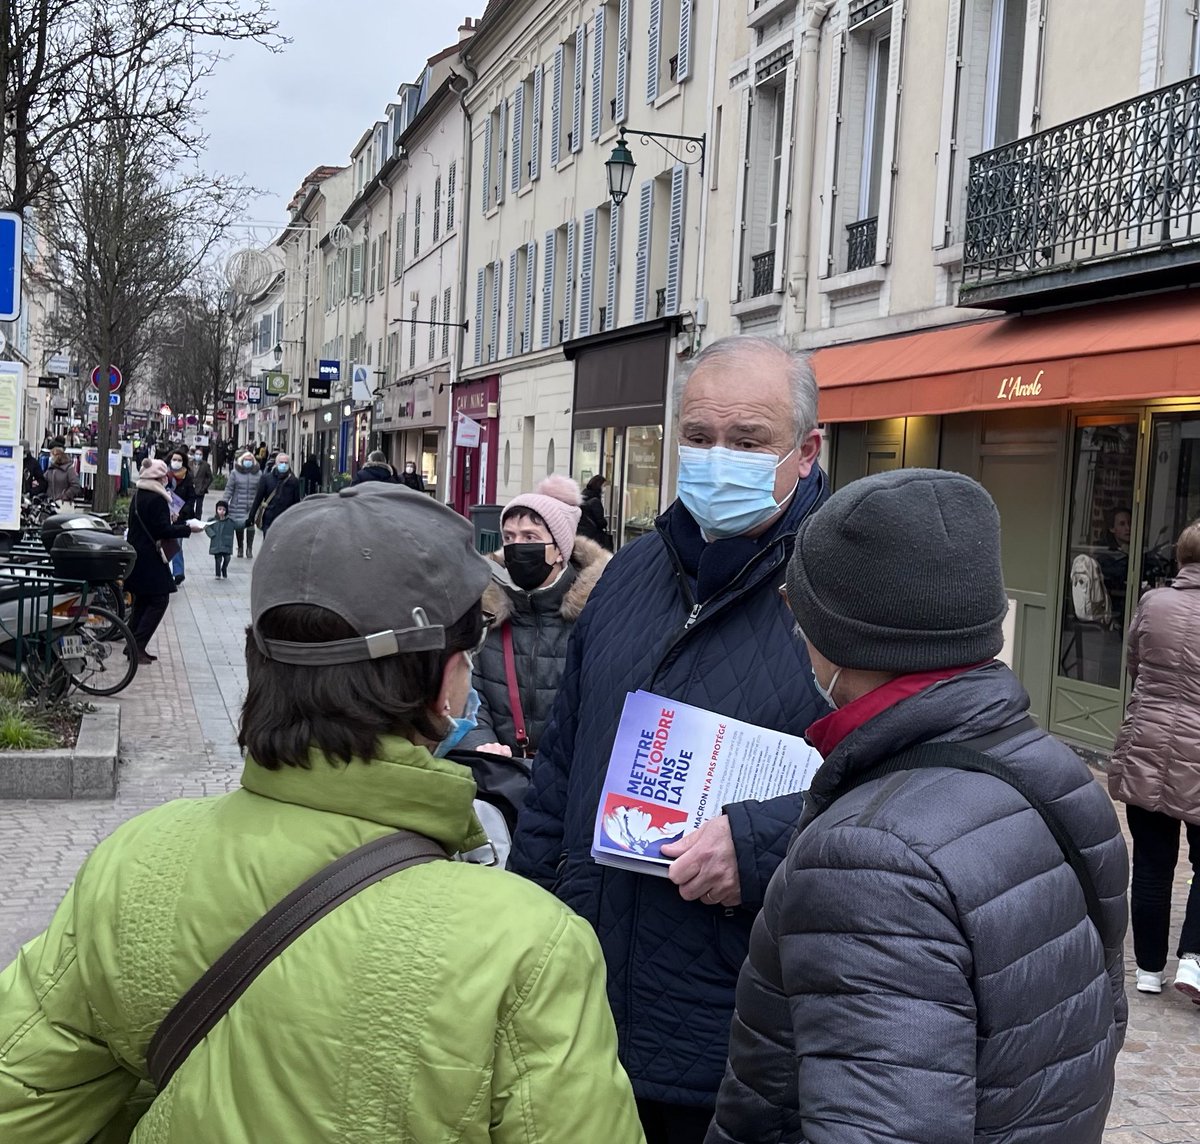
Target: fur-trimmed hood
[{"x": 587, "y": 558}]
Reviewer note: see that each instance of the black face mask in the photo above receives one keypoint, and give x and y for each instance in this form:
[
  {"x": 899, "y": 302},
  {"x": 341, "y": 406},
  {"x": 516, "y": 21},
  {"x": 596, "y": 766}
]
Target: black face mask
[{"x": 526, "y": 564}]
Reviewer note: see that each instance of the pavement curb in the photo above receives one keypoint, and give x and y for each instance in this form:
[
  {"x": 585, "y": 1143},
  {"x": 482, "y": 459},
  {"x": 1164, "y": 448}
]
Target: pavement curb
[{"x": 88, "y": 770}]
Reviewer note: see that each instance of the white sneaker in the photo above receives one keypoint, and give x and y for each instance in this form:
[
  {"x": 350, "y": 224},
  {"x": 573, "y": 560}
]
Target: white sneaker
[
  {"x": 1187, "y": 976},
  {"x": 1149, "y": 982}
]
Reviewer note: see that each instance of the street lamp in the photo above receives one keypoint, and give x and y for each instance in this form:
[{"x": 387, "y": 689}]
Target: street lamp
[
  {"x": 620, "y": 165},
  {"x": 620, "y": 168},
  {"x": 278, "y": 351}
]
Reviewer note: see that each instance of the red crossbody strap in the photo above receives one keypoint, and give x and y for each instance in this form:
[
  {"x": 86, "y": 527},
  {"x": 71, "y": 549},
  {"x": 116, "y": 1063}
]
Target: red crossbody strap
[{"x": 514, "y": 694}]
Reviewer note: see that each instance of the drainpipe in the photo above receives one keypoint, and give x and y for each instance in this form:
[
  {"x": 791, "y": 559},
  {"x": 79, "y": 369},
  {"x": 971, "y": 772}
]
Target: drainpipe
[
  {"x": 460, "y": 341},
  {"x": 806, "y": 142},
  {"x": 710, "y": 157}
]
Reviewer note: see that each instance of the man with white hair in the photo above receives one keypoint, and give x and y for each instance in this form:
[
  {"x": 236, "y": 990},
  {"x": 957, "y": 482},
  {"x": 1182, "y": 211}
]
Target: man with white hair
[
  {"x": 278, "y": 490},
  {"x": 693, "y": 612}
]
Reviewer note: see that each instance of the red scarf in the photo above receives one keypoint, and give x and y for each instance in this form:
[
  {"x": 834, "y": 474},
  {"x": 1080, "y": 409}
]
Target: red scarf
[{"x": 827, "y": 732}]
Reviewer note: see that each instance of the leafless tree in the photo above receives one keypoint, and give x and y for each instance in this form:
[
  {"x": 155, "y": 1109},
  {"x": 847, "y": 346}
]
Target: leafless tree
[{"x": 63, "y": 64}]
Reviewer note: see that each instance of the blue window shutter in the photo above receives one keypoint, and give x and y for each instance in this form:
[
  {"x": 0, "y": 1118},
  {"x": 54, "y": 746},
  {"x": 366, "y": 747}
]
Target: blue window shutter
[
  {"x": 548, "y": 269},
  {"x": 683, "y": 67},
  {"x": 497, "y": 282},
  {"x": 598, "y": 73},
  {"x": 535, "y": 135},
  {"x": 675, "y": 238},
  {"x": 654, "y": 50},
  {"x": 518, "y": 125},
  {"x": 530, "y": 284},
  {"x": 569, "y": 284},
  {"x": 480, "y": 289},
  {"x": 502, "y": 153},
  {"x": 556, "y": 97},
  {"x": 487, "y": 165},
  {"x": 614, "y": 265},
  {"x": 510, "y": 339},
  {"x": 641, "y": 295},
  {"x": 622, "y": 92},
  {"x": 587, "y": 273},
  {"x": 577, "y": 107}
]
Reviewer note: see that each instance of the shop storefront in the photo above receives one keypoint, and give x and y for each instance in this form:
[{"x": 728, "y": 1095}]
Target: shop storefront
[
  {"x": 410, "y": 423},
  {"x": 1084, "y": 425},
  {"x": 333, "y": 433},
  {"x": 619, "y": 424},
  {"x": 473, "y": 465}
]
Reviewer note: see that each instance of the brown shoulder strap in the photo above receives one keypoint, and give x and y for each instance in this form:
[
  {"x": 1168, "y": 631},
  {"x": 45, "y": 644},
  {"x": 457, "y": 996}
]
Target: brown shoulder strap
[
  {"x": 202, "y": 1006},
  {"x": 514, "y": 691}
]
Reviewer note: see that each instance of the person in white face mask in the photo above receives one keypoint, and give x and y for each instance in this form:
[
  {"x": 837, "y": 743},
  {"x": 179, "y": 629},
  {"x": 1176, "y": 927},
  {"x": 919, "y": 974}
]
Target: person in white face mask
[{"x": 690, "y": 612}]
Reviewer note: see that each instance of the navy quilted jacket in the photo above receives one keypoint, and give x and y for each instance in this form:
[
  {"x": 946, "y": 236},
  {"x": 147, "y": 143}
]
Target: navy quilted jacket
[
  {"x": 924, "y": 970},
  {"x": 672, "y": 965}
]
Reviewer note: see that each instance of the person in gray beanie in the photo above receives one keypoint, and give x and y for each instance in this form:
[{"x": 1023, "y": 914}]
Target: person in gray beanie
[{"x": 941, "y": 949}]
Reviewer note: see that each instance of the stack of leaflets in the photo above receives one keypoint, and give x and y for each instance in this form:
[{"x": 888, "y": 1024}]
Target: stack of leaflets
[{"x": 674, "y": 766}]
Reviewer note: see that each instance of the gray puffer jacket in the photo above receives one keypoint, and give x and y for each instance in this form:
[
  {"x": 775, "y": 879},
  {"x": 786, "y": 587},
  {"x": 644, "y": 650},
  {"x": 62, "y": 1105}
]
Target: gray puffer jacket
[
  {"x": 924, "y": 970},
  {"x": 542, "y": 622},
  {"x": 239, "y": 492}
]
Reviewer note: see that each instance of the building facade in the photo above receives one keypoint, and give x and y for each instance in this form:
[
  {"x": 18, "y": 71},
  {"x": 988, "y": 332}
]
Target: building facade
[
  {"x": 576, "y": 303},
  {"x": 943, "y": 200}
]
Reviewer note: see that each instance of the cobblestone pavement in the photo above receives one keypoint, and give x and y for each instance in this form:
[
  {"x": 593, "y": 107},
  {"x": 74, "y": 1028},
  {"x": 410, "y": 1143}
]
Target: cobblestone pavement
[{"x": 178, "y": 740}]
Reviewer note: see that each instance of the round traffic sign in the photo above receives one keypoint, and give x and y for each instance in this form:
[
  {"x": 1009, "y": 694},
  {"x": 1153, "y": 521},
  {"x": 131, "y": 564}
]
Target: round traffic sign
[{"x": 114, "y": 378}]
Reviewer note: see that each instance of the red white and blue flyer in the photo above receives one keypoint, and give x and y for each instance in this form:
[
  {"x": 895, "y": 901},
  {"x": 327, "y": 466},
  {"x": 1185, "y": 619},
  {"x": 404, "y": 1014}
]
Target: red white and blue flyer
[{"x": 674, "y": 766}]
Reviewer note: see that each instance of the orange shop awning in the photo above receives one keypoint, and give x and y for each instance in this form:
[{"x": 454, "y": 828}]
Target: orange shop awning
[{"x": 1115, "y": 351}]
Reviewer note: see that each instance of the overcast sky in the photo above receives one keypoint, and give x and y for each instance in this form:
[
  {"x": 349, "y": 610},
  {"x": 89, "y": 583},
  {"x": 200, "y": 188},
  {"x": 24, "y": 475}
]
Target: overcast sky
[{"x": 273, "y": 118}]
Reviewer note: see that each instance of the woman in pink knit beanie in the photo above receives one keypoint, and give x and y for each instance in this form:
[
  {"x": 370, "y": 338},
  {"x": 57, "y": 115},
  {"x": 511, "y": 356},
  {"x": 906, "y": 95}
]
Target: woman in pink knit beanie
[{"x": 542, "y": 579}]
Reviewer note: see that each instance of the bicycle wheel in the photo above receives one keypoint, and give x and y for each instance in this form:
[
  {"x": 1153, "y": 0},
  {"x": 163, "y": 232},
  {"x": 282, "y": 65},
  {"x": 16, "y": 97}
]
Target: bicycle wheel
[
  {"x": 106, "y": 595},
  {"x": 109, "y": 661}
]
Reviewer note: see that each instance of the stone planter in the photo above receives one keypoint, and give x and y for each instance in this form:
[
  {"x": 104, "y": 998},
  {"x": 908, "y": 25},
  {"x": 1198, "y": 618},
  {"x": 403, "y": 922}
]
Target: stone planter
[{"x": 87, "y": 770}]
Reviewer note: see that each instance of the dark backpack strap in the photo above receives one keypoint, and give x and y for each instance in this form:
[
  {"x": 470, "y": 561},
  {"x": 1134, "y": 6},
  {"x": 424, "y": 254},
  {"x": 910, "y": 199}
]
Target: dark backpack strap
[
  {"x": 202, "y": 1006},
  {"x": 514, "y": 691},
  {"x": 961, "y": 757}
]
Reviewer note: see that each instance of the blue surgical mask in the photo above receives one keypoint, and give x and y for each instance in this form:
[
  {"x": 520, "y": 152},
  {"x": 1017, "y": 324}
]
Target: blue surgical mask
[
  {"x": 826, "y": 693},
  {"x": 460, "y": 727},
  {"x": 729, "y": 492},
  {"x": 281, "y": 468}
]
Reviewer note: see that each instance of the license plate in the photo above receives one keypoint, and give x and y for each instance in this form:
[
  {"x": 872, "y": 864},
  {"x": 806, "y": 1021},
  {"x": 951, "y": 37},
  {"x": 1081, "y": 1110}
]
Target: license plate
[{"x": 71, "y": 647}]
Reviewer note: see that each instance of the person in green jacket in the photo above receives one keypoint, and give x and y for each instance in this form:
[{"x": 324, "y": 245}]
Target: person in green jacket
[{"x": 446, "y": 1002}]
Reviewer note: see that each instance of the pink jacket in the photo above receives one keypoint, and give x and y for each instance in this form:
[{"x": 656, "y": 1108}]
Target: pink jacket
[{"x": 1156, "y": 763}]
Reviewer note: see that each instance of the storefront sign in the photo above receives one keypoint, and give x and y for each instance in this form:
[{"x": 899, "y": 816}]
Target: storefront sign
[
  {"x": 254, "y": 394},
  {"x": 277, "y": 383},
  {"x": 319, "y": 387},
  {"x": 1015, "y": 388},
  {"x": 328, "y": 371},
  {"x": 48, "y": 382}
]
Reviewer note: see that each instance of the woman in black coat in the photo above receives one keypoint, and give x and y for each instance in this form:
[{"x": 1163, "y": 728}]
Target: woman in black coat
[
  {"x": 593, "y": 524},
  {"x": 151, "y": 581}
]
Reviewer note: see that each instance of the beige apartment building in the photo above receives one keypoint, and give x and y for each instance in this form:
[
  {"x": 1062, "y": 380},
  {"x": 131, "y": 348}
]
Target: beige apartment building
[
  {"x": 984, "y": 216},
  {"x": 578, "y": 307}
]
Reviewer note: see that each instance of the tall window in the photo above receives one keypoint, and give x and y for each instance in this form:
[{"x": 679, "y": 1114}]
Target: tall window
[
  {"x": 417, "y": 227},
  {"x": 871, "y": 176},
  {"x": 437, "y": 208},
  {"x": 450, "y": 179},
  {"x": 446, "y": 319},
  {"x": 1006, "y": 57},
  {"x": 412, "y": 338}
]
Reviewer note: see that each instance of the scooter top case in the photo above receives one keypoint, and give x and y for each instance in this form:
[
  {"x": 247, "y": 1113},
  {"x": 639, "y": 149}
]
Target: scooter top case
[
  {"x": 80, "y": 554},
  {"x": 54, "y": 526}
]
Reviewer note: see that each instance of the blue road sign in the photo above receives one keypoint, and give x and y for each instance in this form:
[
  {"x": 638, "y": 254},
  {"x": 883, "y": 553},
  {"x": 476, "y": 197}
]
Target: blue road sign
[{"x": 11, "y": 226}]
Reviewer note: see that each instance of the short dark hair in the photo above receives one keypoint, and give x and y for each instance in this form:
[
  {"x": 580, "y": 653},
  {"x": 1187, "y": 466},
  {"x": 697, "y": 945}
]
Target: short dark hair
[
  {"x": 1187, "y": 547},
  {"x": 523, "y": 512},
  {"x": 341, "y": 711},
  {"x": 597, "y": 483}
]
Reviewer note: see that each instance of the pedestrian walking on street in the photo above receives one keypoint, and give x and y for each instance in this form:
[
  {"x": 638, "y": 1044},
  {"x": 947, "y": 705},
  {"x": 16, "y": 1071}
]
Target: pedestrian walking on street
[
  {"x": 221, "y": 530},
  {"x": 940, "y": 955},
  {"x": 691, "y": 611},
  {"x": 278, "y": 491},
  {"x": 428, "y": 1000},
  {"x": 152, "y": 532},
  {"x": 240, "y": 491},
  {"x": 202, "y": 478},
  {"x": 262, "y": 455},
  {"x": 541, "y": 580},
  {"x": 310, "y": 475},
  {"x": 593, "y": 523},
  {"x": 33, "y": 480},
  {"x": 1155, "y": 769},
  {"x": 184, "y": 487},
  {"x": 412, "y": 478},
  {"x": 376, "y": 469},
  {"x": 62, "y": 481}
]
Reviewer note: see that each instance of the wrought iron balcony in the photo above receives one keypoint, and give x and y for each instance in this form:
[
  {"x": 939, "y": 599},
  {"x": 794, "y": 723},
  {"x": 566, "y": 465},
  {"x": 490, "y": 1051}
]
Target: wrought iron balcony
[
  {"x": 762, "y": 274},
  {"x": 1108, "y": 201},
  {"x": 861, "y": 242}
]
